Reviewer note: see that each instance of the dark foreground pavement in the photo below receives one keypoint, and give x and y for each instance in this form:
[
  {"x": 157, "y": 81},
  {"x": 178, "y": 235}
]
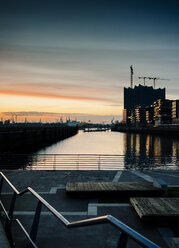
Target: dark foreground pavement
[{"x": 51, "y": 186}]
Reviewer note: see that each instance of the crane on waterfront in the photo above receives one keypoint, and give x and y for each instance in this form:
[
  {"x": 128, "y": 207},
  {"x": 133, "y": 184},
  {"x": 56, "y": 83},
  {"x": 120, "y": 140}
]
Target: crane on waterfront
[
  {"x": 112, "y": 121},
  {"x": 156, "y": 78},
  {"x": 144, "y": 78},
  {"x": 132, "y": 73}
]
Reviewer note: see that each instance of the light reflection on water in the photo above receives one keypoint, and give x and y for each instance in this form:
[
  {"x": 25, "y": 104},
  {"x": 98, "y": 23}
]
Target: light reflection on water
[
  {"x": 137, "y": 150},
  {"x": 89, "y": 143},
  {"x": 101, "y": 150},
  {"x": 115, "y": 143}
]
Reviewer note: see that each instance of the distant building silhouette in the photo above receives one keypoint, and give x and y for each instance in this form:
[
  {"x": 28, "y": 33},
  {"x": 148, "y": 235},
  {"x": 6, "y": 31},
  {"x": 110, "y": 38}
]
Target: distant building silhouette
[
  {"x": 140, "y": 115},
  {"x": 175, "y": 112},
  {"x": 141, "y": 96},
  {"x": 162, "y": 111}
]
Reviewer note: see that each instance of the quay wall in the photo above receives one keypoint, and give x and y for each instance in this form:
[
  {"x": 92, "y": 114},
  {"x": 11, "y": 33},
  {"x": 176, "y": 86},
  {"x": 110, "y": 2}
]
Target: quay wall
[
  {"x": 158, "y": 130},
  {"x": 30, "y": 139}
]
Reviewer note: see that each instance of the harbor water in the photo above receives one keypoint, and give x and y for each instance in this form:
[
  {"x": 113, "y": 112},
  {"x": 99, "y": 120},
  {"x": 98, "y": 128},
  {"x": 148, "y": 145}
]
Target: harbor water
[
  {"x": 116, "y": 143},
  {"x": 111, "y": 150},
  {"x": 104, "y": 150}
]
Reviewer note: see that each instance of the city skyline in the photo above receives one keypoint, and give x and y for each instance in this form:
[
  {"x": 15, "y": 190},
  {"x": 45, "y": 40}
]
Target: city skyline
[{"x": 74, "y": 57}]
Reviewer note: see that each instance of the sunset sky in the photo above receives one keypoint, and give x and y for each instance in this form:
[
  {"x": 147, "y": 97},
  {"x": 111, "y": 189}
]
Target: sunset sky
[{"x": 72, "y": 57}]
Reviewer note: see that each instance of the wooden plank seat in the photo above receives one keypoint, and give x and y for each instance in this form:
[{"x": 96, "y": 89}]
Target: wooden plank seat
[
  {"x": 162, "y": 210},
  {"x": 113, "y": 188}
]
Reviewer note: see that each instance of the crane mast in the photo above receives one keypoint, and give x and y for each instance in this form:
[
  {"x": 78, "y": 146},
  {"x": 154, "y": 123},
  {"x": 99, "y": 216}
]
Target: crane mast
[
  {"x": 132, "y": 73},
  {"x": 144, "y": 78}
]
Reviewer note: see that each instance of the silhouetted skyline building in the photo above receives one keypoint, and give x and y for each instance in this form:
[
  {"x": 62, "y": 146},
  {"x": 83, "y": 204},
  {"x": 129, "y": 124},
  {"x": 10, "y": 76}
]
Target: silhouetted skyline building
[
  {"x": 140, "y": 115},
  {"x": 141, "y": 96},
  {"x": 162, "y": 111},
  {"x": 175, "y": 112}
]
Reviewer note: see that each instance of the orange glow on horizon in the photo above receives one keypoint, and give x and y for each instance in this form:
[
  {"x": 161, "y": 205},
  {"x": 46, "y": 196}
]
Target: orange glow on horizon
[
  {"x": 49, "y": 95},
  {"x": 29, "y": 104},
  {"x": 18, "y": 96}
]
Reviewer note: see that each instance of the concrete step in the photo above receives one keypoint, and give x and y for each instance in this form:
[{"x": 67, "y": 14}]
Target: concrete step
[
  {"x": 3, "y": 239},
  {"x": 52, "y": 233}
]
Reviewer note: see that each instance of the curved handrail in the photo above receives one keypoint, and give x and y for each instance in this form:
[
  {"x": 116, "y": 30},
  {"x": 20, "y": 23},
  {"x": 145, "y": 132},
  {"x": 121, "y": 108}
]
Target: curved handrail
[{"x": 126, "y": 230}]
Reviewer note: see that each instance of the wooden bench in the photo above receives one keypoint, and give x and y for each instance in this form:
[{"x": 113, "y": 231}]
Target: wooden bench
[
  {"x": 161, "y": 210},
  {"x": 113, "y": 188}
]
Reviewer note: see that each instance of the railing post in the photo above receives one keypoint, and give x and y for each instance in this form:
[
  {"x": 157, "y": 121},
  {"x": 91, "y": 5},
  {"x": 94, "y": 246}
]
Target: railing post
[
  {"x": 1, "y": 184},
  {"x": 77, "y": 163},
  {"x": 8, "y": 221},
  {"x": 35, "y": 224},
  {"x": 122, "y": 243},
  {"x": 36, "y": 161},
  {"x": 54, "y": 162},
  {"x": 12, "y": 205}
]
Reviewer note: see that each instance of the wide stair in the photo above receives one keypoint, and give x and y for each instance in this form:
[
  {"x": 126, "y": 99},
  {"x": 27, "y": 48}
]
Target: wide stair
[{"x": 30, "y": 221}]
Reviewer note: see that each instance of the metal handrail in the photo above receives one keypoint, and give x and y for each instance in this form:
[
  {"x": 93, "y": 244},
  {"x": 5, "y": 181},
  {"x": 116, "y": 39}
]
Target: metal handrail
[{"x": 126, "y": 231}]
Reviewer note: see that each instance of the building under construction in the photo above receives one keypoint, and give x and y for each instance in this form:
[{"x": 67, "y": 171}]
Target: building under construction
[{"x": 141, "y": 96}]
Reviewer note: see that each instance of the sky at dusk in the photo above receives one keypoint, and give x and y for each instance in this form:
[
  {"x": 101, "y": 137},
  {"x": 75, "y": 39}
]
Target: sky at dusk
[{"x": 72, "y": 57}]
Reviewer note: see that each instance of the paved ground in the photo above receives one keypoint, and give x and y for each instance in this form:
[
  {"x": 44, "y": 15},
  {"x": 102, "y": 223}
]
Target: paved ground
[
  {"x": 51, "y": 186},
  {"x": 3, "y": 240}
]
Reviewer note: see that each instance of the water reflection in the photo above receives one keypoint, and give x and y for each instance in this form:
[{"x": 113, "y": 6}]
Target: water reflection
[
  {"x": 88, "y": 143},
  {"x": 136, "y": 150},
  {"x": 143, "y": 150}
]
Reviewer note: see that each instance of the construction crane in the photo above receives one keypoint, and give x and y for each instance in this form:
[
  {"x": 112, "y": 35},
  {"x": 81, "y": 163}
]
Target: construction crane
[
  {"x": 132, "y": 73},
  {"x": 112, "y": 121},
  {"x": 156, "y": 78},
  {"x": 144, "y": 78}
]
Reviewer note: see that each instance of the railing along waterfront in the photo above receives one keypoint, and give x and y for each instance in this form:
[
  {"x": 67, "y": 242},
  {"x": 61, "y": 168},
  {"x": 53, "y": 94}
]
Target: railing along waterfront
[
  {"x": 86, "y": 162},
  {"x": 125, "y": 231}
]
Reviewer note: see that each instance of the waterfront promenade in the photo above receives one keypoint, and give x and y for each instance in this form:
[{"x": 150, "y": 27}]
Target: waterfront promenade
[
  {"x": 157, "y": 130},
  {"x": 27, "y": 137},
  {"x": 51, "y": 186}
]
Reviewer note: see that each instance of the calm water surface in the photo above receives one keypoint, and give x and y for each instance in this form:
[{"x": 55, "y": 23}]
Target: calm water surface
[
  {"x": 101, "y": 150},
  {"x": 115, "y": 143},
  {"x": 89, "y": 143},
  {"x": 136, "y": 150}
]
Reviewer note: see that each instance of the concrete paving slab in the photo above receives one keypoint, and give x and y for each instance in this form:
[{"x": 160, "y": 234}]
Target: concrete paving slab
[
  {"x": 43, "y": 181},
  {"x": 128, "y": 215},
  {"x": 3, "y": 239},
  {"x": 61, "y": 201},
  {"x": 127, "y": 176},
  {"x": 117, "y": 176},
  {"x": 175, "y": 242},
  {"x": 170, "y": 177},
  {"x": 142, "y": 175},
  {"x": 52, "y": 231}
]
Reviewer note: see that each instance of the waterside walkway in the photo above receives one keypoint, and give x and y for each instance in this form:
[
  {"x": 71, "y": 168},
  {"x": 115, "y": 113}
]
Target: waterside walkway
[{"x": 51, "y": 185}]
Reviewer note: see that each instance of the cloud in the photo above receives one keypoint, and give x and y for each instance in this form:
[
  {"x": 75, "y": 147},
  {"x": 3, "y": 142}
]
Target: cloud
[
  {"x": 50, "y": 95},
  {"x": 60, "y": 90},
  {"x": 115, "y": 105}
]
